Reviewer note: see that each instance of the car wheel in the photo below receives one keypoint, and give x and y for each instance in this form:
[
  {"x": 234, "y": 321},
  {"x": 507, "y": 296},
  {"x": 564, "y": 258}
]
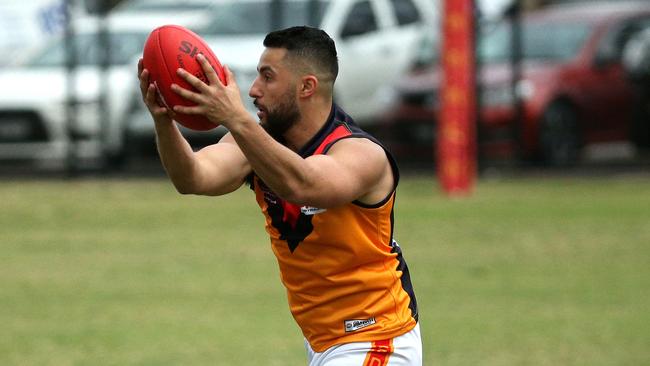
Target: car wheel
[{"x": 559, "y": 140}]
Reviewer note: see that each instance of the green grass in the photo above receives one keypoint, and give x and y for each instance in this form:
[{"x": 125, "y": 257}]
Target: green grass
[{"x": 523, "y": 272}]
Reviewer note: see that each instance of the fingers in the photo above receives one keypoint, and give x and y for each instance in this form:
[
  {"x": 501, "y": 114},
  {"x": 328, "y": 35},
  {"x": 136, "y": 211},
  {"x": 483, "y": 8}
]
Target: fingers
[
  {"x": 158, "y": 112},
  {"x": 142, "y": 72},
  {"x": 188, "y": 109},
  {"x": 186, "y": 94},
  {"x": 209, "y": 71},
  {"x": 230, "y": 77},
  {"x": 144, "y": 81},
  {"x": 149, "y": 95},
  {"x": 143, "y": 76},
  {"x": 150, "y": 100},
  {"x": 195, "y": 82}
]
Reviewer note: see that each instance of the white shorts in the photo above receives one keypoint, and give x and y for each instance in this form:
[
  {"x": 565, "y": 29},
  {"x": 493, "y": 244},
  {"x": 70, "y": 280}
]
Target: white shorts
[{"x": 405, "y": 350}]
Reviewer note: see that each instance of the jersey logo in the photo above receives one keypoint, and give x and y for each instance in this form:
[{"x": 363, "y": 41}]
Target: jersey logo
[
  {"x": 309, "y": 210},
  {"x": 294, "y": 225},
  {"x": 356, "y": 324}
]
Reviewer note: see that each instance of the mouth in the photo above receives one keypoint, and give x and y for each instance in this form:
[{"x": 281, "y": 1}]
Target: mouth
[{"x": 261, "y": 111}]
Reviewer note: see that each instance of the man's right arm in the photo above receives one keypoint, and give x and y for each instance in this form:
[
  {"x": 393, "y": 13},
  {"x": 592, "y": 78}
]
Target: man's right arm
[{"x": 214, "y": 170}]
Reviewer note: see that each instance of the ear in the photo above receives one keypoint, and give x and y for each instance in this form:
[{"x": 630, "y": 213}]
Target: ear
[{"x": 308, "y": 86}]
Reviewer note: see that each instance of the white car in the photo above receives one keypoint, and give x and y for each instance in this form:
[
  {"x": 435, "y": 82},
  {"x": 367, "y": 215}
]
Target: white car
[
  {"x": 376, "y": 42},
  {"x": 33, "y": 120}
]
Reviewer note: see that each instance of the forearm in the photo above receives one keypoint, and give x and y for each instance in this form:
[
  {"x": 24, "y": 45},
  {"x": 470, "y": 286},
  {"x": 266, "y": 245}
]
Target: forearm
[
  {"x": 177, "y": 157},
  {"x": 284, "y": 171},
  {"x": 353, "y": 169}
]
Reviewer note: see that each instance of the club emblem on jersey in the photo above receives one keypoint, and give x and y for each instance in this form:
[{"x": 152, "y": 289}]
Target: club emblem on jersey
[
  {"x": 292, "y": 221},
  {"x": 309, "y": 210},
  {"x": 356, "y": 324}
]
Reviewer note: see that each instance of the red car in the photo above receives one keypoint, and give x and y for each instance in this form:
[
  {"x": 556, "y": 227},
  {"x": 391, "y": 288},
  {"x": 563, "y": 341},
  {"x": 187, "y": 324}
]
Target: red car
[{"x": 573, "y": 89}]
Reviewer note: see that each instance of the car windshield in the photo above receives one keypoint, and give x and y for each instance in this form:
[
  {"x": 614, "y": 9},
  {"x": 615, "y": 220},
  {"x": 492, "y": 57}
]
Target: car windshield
[
  {"x": 541, "y": 41},
  {"x": 241, "y": 18},
  {"x": 123, "y": 47}
]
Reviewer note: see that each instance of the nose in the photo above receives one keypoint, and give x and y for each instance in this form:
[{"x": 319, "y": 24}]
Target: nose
[{"x": 255, "y": 91}]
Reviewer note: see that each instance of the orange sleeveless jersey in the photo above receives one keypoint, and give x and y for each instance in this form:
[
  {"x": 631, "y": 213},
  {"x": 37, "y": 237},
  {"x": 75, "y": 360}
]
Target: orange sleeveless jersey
[{"x": 345, "y": 277}]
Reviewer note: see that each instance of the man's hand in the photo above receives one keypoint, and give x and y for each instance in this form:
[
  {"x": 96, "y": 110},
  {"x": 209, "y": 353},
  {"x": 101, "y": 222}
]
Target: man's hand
[
  {"x": 148, "y": 90},
  {"x": 220, "y": 103}
]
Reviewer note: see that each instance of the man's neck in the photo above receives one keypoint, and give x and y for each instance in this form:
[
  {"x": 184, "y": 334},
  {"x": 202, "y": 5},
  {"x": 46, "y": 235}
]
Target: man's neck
[{"x": 313, "y": 119}]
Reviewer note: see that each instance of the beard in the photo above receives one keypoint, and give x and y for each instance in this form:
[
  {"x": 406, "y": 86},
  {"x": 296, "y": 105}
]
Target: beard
[{"x": 282, "y": 117}]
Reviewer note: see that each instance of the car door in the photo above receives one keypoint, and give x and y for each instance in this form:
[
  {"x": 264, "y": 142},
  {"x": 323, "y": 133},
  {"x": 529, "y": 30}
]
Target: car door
[
  {"x": 611, "y": 92},
  {"x": 408, "y": 30}
]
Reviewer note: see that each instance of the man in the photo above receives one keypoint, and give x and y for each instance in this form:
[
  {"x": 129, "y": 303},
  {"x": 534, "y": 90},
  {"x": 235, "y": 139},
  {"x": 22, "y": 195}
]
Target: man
[{"x": 325, "y": 187}]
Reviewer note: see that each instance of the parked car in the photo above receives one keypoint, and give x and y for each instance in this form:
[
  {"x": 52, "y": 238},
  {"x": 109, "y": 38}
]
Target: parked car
[
  {"x": 574, "y": 90},
  {"x": 382, "y": 33},
  {"x": 33, "y": 124},
  {"x": 376, "y": 42}
]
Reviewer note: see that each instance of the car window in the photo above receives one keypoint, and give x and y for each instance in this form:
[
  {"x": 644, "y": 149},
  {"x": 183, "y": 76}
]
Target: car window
[
  {"x": 162, "y": 5},
  {"x": 611, "y": 48},
  {"x": 541, "y": 41},
  {"x": 636, "y": 55},
  {"x": 123, "y": 47},
  {"x": 405, "y": 11},
  {"x": 237, "y": 18},
  {"x": 360, "y": 20}
]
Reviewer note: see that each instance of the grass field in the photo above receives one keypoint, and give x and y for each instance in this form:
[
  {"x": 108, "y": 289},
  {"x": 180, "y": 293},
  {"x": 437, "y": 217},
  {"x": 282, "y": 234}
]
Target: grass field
[{"x": 524, "y": 272}]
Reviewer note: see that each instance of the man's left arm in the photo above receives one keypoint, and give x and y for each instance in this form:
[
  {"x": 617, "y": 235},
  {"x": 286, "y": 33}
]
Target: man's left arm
[{"x": 353, "y": 168}]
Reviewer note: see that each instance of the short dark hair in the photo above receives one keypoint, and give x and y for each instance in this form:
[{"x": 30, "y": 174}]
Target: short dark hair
[{"x": 312, "y": 45}]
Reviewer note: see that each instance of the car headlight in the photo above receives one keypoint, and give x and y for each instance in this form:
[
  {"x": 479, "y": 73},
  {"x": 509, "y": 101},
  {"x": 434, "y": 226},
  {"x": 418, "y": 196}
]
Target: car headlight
[{"x": 525, "y": 89}]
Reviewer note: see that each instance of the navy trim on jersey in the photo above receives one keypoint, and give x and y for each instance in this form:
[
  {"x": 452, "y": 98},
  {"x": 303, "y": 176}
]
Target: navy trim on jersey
[
  {"x": 336, "y": 118},
  {"x": 406, "y": 280}
]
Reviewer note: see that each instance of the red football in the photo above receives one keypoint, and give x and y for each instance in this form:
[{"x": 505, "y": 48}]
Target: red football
[{"x": 171, "y": 47}]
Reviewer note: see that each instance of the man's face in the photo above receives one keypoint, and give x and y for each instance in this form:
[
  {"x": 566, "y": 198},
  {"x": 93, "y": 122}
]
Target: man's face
[{"x": 274, "y": 93}]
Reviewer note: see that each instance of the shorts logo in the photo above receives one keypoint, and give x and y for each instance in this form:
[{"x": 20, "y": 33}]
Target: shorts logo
[
  {"x": 356, "y": 324},
  {"x": 308, "y": 210}
]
